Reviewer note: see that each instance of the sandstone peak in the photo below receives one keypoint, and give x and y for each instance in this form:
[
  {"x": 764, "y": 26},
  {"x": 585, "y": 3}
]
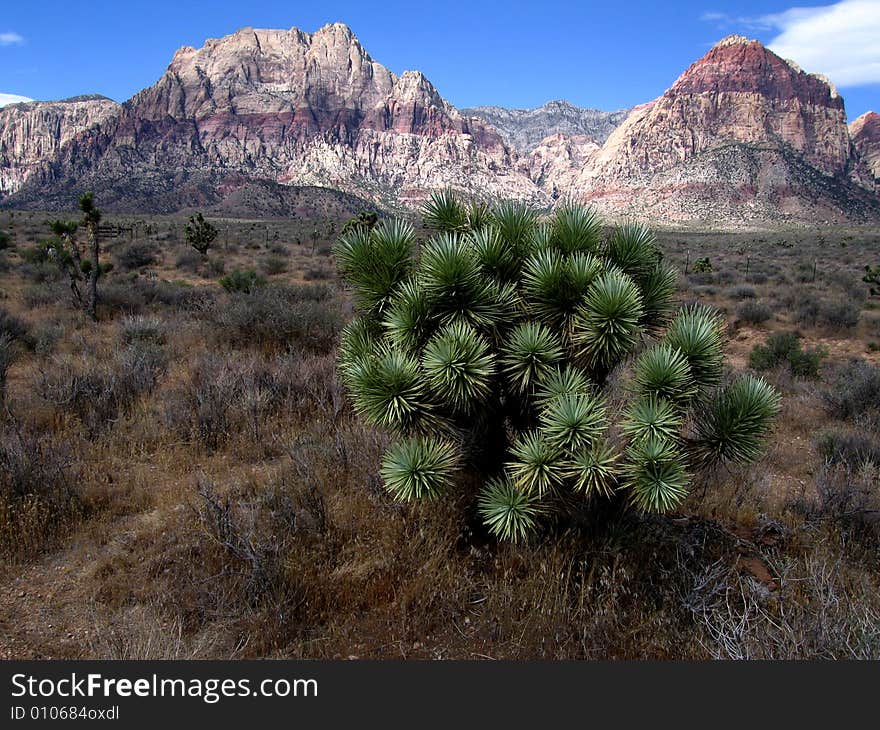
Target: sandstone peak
[{"x": 735, "y": 40}]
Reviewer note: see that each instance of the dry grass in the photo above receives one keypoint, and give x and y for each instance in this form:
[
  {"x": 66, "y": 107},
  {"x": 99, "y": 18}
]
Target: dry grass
[{"x": 185, "y": 479}]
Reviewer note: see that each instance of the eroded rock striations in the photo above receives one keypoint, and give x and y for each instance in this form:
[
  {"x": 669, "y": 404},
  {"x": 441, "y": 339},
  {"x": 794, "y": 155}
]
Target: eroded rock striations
[
  {"x": 865, "y": 133},
  {"x": 742, "y": 135},
  {"x": 526, "y": 129},
  {"x": 285, "y": 106},
  {"x": 33, "y": 132}
]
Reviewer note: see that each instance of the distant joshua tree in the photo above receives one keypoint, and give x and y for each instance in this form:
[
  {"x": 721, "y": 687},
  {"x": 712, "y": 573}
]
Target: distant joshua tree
[
  {"x": 538, "y": 362},
  {"x": 200, "y": 234},
  {"x": 90, "y": 221}
]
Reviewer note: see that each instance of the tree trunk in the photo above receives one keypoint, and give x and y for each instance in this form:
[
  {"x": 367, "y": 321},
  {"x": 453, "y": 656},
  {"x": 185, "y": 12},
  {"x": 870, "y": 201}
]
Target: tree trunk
[{"x": 93, "y": 274}]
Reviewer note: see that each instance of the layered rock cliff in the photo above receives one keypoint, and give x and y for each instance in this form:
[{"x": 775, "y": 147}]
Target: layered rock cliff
[
  {"x": 34, "y": 132},
  {"x": 865, "y": 133},
  {"x": 285, "y": 106},
  {"x": 741, "y": 134},
  {"x": 525, "y": 129}
]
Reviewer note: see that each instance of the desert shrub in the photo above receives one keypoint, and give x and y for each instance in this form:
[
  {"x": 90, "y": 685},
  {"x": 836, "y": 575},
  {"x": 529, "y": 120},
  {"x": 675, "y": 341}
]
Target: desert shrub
[
  {"x": 37, "y": 490},
  {"x": 504, "y": 335},
  {"x": 848, "y": 448},
  {"x": 273, "y": 265},
  {"x": 756, "y": 278},
  {"x": 738, "y": 293},
  {"x": 235, "y": 395},
  {"x": 189, "y": 260},
  {"x": 8, "y": 352},
  {"x": 4, "y": 240},
  {"x": 15, "y": 328},
  {"x": 703, "y": 266},
  {"x": 135, "y": 255},
  {"x": 35, "y": 255},
  {"x": 785, "y": 347},
  {"x": 753, "y": 312},
  {"x": 122, "y": 297},
  {"x": 178, "y": 295},
  {"x": 98, "y": 392},
  {"x": 839, "y": 314},
  {"x": 855, "y": 393},
  {"x": 139, "y": 328},
  {"x": 318, "y": 273},
  {"x": 242, "y": 281},
  {"x": 300, "y": 317}
]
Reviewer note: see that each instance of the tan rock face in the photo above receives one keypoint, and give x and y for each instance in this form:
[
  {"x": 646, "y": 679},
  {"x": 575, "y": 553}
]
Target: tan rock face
[
  {"x": 34, "y": 132},
  {"x": 742, "y": 133},
  {"x": 296, "y": 108},
  {"x": 865, "y": 133},
  {"x": 557, "y": 161}
]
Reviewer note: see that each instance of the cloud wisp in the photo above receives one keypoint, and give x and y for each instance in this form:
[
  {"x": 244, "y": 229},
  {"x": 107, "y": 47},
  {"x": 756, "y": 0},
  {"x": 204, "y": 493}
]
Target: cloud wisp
[
  {"x": 839, "y": 41},
  {"x": 12, "y": 99},
  {"x": 11, "y": 39}
]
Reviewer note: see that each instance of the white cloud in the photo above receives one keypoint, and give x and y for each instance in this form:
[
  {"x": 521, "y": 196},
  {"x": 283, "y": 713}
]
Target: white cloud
[
  {"x": 12, "y": 99},
  {"x": 11, "y": 39},
  {"x": 841, "y": 41}
]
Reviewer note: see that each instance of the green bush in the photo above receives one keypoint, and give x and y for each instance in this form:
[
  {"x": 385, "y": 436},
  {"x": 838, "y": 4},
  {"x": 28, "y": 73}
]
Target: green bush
[
  {"x": 242, "y": 281},
  {"x": 492, "y": 353},
  {"x": 785, "y": 347}
]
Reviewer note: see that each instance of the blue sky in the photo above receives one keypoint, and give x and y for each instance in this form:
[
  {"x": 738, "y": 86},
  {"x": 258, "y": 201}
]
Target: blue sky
[{"x": 604, "y": 55}]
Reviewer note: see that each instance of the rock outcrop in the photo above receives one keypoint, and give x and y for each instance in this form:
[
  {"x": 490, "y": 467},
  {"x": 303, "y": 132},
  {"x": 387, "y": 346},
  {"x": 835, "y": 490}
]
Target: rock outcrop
[
  {"x": 865, "y": 133},
  {"x": 289, "y": 107},
  {"x": 34, "y": 132},
  {"x": 742, "y": 134},
  {"x": 525, "y": 129}
]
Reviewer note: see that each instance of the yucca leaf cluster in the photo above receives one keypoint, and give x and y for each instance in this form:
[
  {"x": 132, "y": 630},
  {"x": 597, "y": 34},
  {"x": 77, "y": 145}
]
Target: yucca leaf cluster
[{"x": 540, "y": 355}]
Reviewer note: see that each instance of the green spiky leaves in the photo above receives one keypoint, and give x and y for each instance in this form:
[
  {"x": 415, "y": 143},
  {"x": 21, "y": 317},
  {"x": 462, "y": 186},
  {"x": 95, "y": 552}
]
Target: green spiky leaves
[
  {"x": 375, "y": 261},
  {"x": 508, "y": 512},
  {"x": 488, "y": 352},
  {"x": 531, "y": 352},
  {"x": 419, "y": 468},
  {"x": 607, "y": 325},
  {"x": 734, "y": 425},
  {"x": 572, "y": 422},
  {"x": 537, "y": 465},
  {"x": 664, "y": 372},
  {"x": 459, "y": 366},
  {"x": 654, "y": 473}
]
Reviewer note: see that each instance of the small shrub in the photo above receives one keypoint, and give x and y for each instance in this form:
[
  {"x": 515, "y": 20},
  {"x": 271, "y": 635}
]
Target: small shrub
[
  {"x": 839, "y": 314},
  {"x": 274, "y": 265},
  {"x": 14, "y": 327},
  {"x": 136, "y": 255},
  {"x": 189, "y": 260},
  {"x": 754, "y": 312},
  {"x": 242, "y": 281},
  {"x": 738, "y": 293},
  {"x": 851, "y": 449},
  {"x": 785, "y": 347},
  {"x": 122, "y": 297},
  {"x": 855, "y": 393},
  {"x": 142, "y": 329},
  {"x": 4, "y": 240},
  {"x": 703, "y": 266},
  {"x": 302, "y": 317}
]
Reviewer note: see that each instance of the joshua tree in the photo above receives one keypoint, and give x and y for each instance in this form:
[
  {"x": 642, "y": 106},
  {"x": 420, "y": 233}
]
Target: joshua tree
[
  {"x": 64, "y": 250},
  {"x": 540, "y": 359},
  {"x": 90, "y": 220},
  {"x": 200, "y": 234}
]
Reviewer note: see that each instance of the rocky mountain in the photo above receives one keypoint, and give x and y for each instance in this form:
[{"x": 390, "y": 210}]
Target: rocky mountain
[
  {"x": 285, "y": 106},
  {"x": 524, "y": 129},
  {"x": 742, "y": 134},
  {"x": 865, "y": 133},
  {"x": 34, "y": 132}
]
